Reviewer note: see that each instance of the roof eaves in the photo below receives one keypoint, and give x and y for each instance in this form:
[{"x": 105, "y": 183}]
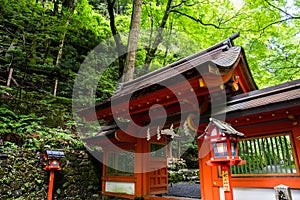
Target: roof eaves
[{"x": 225, "y": 127}]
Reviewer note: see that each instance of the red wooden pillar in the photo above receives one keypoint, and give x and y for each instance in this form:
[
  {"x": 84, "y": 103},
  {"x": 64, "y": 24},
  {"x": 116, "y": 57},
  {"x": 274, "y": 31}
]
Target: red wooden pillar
[
  {"x": 227, "y": 186},
  {"x": 141, "y": 184},
  {"x": 51, "y": 181},
  {"x": 104, "y": 170},
  {"x": 208, "y": 187},
  {"x": 296, "y": 138},
  {"x": 145, "y": 158}
]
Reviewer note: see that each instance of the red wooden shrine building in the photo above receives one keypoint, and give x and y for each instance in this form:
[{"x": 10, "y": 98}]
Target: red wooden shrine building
[{"x": 216, "y": 82}]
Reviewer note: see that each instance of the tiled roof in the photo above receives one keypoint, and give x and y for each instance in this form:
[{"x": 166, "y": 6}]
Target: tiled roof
[
  {"x": 283, "y": 94},
  {"x": 54, "y": 154},
  {"x": 222, "y": 58},
  {"x": 224, "y": 127},
  {"x": 222, "y": 55}
]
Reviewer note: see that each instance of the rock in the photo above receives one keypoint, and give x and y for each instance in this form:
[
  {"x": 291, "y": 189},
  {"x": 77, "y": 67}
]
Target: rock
[
  {"x": 14, "y": 184},
  {"x": 17, "y": 193},
  {"x": 86, "y": 156},
  {"x": 4, "y": 189},
  {"x": 58, "y": 191},
  {"x": 84, "y": 163},
  {"x": 23, "y": 176},
  {"x": 95, "y": 196}
]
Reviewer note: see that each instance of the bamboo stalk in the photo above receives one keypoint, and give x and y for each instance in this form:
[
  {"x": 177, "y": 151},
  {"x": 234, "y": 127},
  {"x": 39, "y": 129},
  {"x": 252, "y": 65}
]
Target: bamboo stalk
[
  {"x": 256, "y": 157},
  {"x": 268, "y": 155},
  {"x": 279, "y": 157},
  {"x": 274, "y": 153},
  {"x": 288, "y": 155}
]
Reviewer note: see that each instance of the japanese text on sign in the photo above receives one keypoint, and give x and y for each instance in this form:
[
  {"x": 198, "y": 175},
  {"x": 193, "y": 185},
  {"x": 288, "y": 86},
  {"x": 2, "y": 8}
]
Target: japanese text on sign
[{"x": 225, "y": 181}]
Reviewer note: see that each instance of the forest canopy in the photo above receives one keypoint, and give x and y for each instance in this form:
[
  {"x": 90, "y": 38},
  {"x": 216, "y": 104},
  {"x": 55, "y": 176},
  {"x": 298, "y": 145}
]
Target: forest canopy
[{"x": 48, "y": 40}]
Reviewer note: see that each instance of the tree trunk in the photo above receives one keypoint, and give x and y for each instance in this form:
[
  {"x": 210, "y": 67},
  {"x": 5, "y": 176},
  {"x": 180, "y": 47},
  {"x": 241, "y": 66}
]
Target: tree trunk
[
  {"x": 9, "y": 77},
  {"x": 168, "y": 44},
  {"x": 60, "y": 51},
  {"x": 55, "y": 9},
  {"x": 132, "y": 40},
  {"x": 55, "y": 87},
  {"x": 67, "y": 4},
  {"x": 120, "y": 47}
]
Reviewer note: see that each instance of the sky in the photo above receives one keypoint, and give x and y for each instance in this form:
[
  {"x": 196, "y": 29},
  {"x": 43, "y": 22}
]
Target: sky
[
  {"x": 238, "y": 3},
  {"x": 291, "y": 8}
]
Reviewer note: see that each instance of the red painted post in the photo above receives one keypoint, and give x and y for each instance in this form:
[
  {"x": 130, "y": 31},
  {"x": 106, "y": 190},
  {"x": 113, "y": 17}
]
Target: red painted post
[
  {"x": 226, "y": 176},
  {"x": 51, "y": 181},
  {"x": 52, "y": 164}
]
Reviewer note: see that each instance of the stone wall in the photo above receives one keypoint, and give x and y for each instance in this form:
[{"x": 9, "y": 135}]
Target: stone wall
[{"x": 22, "y": 176}]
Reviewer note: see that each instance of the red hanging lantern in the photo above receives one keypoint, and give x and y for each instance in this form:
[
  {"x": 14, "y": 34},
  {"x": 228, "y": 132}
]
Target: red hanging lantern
[
  {"x": 223, "y": 139},
  {"x": 53, "y": 163},
  {"x": 53, "y": 159}
]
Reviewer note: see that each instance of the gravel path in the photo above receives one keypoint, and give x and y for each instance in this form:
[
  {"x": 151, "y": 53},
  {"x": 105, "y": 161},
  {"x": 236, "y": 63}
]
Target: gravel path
[{"x": 189, "y": 190}]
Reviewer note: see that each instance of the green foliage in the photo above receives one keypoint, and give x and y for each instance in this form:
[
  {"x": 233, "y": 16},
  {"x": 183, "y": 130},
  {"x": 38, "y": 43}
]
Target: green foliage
[
  {"x": 32, "y": 31},
  {"x": 191, "y": 156},
  {"x": 269, "y": 155},
  {"x": 36, "y": 130},
  {"x": 31, "y": 34},
  {"x": 269, "y": 33}
]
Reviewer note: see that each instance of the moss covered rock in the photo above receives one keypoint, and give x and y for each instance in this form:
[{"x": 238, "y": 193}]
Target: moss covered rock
[{"x": 22, "y": 176}]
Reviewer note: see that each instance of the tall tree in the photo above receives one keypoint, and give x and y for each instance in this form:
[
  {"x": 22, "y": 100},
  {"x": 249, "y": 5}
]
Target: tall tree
[
  {"x": 133, "y": 40},
  {"x": 60, "y": 51},
  {"x": 120, "y": 47}
]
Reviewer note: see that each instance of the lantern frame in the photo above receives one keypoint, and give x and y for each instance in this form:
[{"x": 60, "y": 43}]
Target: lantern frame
[
  {"x": 223, "y": 140},
  {"x": 53, "y": 159}
]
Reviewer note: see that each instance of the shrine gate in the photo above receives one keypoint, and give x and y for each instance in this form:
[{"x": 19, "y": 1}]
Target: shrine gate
[{"x": 141, "y": 117}]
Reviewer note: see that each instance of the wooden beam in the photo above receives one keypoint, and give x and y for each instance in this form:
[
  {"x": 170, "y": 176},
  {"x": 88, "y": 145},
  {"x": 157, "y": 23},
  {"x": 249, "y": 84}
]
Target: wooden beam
[{"x": 124, "y": 136}]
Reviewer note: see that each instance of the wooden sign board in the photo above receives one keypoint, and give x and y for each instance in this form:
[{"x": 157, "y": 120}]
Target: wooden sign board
[{"x": 226, "y": 185}]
